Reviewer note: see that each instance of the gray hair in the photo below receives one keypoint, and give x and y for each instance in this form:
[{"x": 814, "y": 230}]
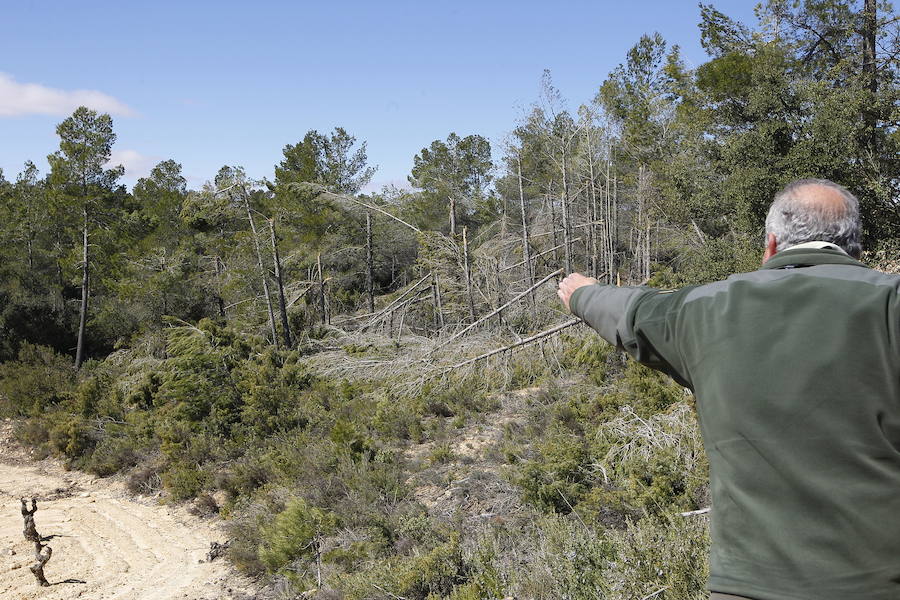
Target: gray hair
[{"x": 795, "y": 220}]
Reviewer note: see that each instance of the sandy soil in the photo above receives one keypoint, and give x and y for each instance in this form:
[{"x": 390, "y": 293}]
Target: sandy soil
[{"x": 106, "y": 544}]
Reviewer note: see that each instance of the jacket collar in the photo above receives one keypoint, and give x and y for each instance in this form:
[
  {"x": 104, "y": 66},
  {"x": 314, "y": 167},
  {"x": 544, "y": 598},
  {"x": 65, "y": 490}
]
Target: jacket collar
[
  {"x": 810, "y": 257},
  {"x": 818, "y": 245}
]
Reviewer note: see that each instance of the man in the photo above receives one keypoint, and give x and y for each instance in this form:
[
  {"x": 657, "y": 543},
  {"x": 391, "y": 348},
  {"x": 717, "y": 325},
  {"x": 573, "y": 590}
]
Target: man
[{"x": 796, "y": 373}]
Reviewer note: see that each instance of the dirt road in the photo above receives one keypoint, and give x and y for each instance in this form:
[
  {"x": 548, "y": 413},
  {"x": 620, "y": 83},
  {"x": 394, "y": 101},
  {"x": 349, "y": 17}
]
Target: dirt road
[{"x": 106, "y": 544}]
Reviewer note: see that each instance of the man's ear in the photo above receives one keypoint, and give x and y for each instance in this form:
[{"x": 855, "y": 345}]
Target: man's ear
[{"x": 771, "y": 245}]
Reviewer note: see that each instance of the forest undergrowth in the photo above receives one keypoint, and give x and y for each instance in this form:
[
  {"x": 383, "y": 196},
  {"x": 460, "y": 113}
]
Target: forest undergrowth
[{"x": 352, "y": 468}]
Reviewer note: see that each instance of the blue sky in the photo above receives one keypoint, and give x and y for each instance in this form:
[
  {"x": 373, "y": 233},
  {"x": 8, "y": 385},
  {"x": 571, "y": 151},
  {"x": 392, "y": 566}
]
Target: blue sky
[{"x": 213, "y": 83}]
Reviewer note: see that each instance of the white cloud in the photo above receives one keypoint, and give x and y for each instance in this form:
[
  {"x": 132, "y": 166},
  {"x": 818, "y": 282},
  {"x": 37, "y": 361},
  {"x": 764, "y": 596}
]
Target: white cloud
[
  {"x": 17, "y": 99},
  {"x": 136, "y": 164}
]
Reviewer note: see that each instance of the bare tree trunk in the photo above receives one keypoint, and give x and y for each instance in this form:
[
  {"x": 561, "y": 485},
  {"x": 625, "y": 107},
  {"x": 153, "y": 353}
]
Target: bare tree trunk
[
  {"x": 279, "y": 280},
  {"x": 370, "y": 276},
  {"x": 870, "y": 79},
  {"x": 526, "y": 243},
  {"x": 400, "y": 324},
  {"x": 219, "y": 300},
  {"x": 262, "y": 270},
  {"x": 503, "y": 216},
  {"x": 452, "y": 215},
  {"x": 615, "y": 223},
  {"x": 436, "y": 291},
  {"x": 592, "y": 205},
  {"x": 553, "y": 228},
  {"x": 565, "y": 213},
  {"x": 318, "y": 561},
  {"x": 60, "y": 279},
  {"x": 496, "y": 311},
  {"x": 521, "y": 342},
  {"x": 637, "y": 244},
  {"x": 468, "y": 271},
  {"x": 607, "y": 225},
  {"x": 390, "y": 324},
  {"x": 322, "y": 301},
  {"x": 440, "y": 303},
  {"x": 390, "y": 308},
  {"x": 648, "y": 226},
  {"x": 85, "y": 290},
  {"x": 499, "y": 293},
  {"x": 642, "y": 227}
]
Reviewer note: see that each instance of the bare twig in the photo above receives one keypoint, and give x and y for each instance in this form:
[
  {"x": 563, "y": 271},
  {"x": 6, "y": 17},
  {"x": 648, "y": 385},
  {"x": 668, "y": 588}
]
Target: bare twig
[
  {"x": 394, "y": 596},
  {"x": 574, "y": 512},
  {"x": 540, "y": 254},
  {"x": 527, "y": 340},
  {"x": 384, "y": 310},
  {"x": 659, "y": 591},
  {"x": 303, "y": 293},
  {"x": 375, "y": 208},
  {"x": 488, "y": 316}
]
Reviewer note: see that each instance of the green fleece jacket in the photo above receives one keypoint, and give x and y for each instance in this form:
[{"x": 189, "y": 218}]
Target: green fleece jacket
[{"x": 796, "y": 373}]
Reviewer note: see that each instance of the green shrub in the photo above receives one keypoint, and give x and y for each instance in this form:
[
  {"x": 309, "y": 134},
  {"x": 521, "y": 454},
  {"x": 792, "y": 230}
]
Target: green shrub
[
  {"x": 588, "y": 352},
  {"x": 650, "y": 391},
  {"x": 431, "y": 575},
  {"x": 245, "y": 475},
  {"x": 71, "y": 436},
  {"x": 649, "y": 465},
  {"x": 145, "y": 478},
  {"x": 37, "y": 379},
  {"x": 273, "y": 394},
  {"x": 398, "y": 418},
  {"x": 114, "y": 453},
  {"x": 441, "y": 453},
  {"x": 295, "y": 533},
  {"x": 454, "y": 395},
  {"x": 556, "y": 478},
  {"x": 666, "y": 552},
  {"x": 184, "y": 481},
  {"x": 486, "y": 578}
]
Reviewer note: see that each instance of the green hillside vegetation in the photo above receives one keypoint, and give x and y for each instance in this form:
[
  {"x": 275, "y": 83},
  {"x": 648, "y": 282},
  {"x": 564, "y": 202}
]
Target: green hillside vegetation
[{"x": 296, "y": 357}]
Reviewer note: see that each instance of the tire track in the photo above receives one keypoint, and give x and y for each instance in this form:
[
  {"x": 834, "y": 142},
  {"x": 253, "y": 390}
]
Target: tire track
[{"x": 110, "y": 546}]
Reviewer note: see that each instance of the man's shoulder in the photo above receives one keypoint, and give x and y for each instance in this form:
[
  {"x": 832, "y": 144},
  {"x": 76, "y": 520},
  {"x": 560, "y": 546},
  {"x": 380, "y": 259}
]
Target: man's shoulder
[{"x": 828, "y": 273}]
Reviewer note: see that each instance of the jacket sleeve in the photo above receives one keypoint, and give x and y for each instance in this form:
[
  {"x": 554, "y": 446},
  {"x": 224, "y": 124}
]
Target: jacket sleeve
[
  {"x": 604, "y": 308},
  {"x": 640, "y": 320}
]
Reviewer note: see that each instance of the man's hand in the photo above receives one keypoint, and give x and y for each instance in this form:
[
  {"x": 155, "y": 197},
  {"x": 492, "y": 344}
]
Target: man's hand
[{"x": 571, "y": 283}]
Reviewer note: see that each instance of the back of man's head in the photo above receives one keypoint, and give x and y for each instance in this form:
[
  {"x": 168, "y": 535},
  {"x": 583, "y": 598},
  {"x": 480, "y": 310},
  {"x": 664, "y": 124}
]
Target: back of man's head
[{"x": 809, "y": 210}]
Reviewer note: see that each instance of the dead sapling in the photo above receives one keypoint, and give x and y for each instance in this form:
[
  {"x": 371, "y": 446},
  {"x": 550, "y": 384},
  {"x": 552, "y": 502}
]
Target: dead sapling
[
  {"x": 30, "y": 531},
  {"x": 216, "y": 550},
  {"x": 42, "y": 553}
]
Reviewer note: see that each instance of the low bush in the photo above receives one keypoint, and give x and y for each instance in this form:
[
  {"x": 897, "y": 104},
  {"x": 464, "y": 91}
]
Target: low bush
[
  {"x": 184, "y": 481},
  {"x": 39, "y": 378},
  {"x": 295, "y": 536}
]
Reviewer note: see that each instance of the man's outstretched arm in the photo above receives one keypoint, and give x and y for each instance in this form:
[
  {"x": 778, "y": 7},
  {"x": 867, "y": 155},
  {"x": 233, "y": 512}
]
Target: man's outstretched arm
[
  {"x": 639, "y": 320},
  {"x": 603, "y": 307}
]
